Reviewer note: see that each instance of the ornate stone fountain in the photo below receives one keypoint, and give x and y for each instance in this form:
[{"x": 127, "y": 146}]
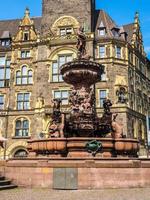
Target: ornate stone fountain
[{"x": 82, "y": 133}]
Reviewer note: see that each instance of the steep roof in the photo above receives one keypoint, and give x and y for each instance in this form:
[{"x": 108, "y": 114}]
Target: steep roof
[
  {"x": 12, "y": 25},
  {"x": 102, "y": 18},
  {"x": 129, "y": 28}
]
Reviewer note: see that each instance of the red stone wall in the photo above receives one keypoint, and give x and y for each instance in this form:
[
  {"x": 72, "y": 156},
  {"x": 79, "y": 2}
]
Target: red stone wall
[
  {"x": 2, "y": 167},
  {"x": 92, "y": 174}
]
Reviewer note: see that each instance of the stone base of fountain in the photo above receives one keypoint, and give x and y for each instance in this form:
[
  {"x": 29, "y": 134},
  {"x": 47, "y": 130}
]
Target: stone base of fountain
[
  {"x": 78, "y": 173},
  {"x": 77, "y": 147}
]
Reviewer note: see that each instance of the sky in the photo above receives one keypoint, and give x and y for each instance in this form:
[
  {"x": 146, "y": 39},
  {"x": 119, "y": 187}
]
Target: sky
[{"x": 122, "y": 12}]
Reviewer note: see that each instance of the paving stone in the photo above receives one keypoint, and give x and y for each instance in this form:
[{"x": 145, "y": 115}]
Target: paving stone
[{"x": 46, "y": 194}]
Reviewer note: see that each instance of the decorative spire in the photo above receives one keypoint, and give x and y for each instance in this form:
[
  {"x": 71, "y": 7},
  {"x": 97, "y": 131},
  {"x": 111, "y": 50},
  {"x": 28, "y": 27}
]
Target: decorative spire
[
  {"x": 136, "y": 18},
  {"x": 137, "y": 35},
  {"x": 27, "y": 12},
  {"x": 26, "y": 20}
]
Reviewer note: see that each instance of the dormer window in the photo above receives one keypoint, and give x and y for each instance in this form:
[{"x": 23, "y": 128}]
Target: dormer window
[
  {"x": 5, "y": 39},
  {"x": 115, "y": 32},
  {"x": 102, "y": 29},
  {"x": 65, "y": 31},
  {"x": 5, "y": 42},
  {"x": 102, "y": 32},
  {"x": 26, "y": 36}
]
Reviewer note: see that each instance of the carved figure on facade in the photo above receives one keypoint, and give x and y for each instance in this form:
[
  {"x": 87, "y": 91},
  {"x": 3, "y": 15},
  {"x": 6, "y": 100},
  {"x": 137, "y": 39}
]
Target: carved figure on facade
[
  {"x": 122, "y": 95},
  {"x": 2, "y": 139},
  {"x": 40, "y": 102}
]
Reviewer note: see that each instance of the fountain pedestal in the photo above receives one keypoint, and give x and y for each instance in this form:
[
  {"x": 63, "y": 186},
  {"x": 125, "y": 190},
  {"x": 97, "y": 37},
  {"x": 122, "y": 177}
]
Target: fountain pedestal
[{"x": 82, "y": 74}]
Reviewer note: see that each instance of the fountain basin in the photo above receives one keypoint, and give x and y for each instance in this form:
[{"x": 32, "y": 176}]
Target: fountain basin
[
  {"x": 126, "y": 146},
  {"x": 50, "y": 146},
  {"x": 110, "y": 147},
  {"x": 82, "y": 72},
  {"x": 76, "y": 147}
]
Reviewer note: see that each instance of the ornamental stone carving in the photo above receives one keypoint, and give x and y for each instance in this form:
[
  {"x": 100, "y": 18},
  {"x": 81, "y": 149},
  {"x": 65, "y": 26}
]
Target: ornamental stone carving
[{"x": 65, "y": 21}]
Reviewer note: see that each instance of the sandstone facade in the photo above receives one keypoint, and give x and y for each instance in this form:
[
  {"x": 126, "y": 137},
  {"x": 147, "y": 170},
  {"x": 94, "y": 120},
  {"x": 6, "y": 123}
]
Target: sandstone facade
[{"x": 43, "y": 44}]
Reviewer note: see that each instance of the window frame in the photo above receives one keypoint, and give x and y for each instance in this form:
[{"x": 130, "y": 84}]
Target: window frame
[
  {"x": 102, "y": 54},
  {"x": 22, "y": 128},
  {"x": 104, "y": 75},
  {"x": 102, "y": 98},
  {"x": 25, "y": 53},
  {"x": 23, "y": 101},
  {"x": 26, "y": 36},
  {"x": 57, "y": 62},
  {"x": 17, "y": 155},
  {"x": 118, "y": 54},
  {"x": 22, "y": 76},
  {"x": 65, "y": 31},
  {"x": 102, "y": 30},
  {"x": 5, "y": 81},
  {"x": 2, "y": 102},
  {"x": 61, "y": 96},
  {"x": 5, "y": 42}
]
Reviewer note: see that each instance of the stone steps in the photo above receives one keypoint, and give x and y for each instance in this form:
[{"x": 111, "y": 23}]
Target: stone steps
[{"x": 6, "y": 184}]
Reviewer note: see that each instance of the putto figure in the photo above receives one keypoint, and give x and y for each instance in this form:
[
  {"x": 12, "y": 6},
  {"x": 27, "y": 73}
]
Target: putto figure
[{"x": 56, "y": 109}]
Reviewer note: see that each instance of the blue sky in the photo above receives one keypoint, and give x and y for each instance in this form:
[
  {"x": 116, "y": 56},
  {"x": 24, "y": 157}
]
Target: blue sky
[{"x": 122, "y": 11}]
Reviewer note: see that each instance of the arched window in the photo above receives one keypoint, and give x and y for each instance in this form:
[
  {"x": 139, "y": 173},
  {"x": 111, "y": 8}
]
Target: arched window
[
  {"x": 24, "y": 76},
  {"x": 22, "y": 128},
  {"x": 21, "y": 153}
]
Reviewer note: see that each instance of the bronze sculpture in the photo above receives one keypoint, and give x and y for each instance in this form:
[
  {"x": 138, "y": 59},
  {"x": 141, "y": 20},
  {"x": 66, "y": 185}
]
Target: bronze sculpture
[
  {"x": 56, "y": 128},
  {"x": 81, "y": 43}
]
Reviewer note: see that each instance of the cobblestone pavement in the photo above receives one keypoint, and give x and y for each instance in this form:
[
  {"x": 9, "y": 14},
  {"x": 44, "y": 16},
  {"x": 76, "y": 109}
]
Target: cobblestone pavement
[{"x": 46, "y": 194}]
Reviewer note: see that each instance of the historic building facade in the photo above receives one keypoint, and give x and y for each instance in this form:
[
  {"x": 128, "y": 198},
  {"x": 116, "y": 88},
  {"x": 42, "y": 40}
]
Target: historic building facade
[{"x": 32, "y": 51}]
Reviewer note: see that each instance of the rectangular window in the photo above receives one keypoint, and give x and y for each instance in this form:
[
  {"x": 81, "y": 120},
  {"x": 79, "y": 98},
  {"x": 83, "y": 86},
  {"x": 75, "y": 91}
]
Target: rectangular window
[
  {"x": 65, "y": 31},
  {"x": 1, "y": 102},
  {"x": 62, "y": 59},
  {"x": 2, "y": 61},
  {"x": 23, "y": 101},
  {"x": 102, "y": 51},
  {"x": 5, "y": 42},
  {"x": 68, "y": 31},
  {"x": 102, "y": 32},
  {"x": 102, "y": 97},
  {"x": 118, "y": 52},
  {"x": 26, "y": 36},
  {"x": 22, "y": 128},
  {"x": 25, "y": 54},
  {"x": 103, "y": 77},
  {"x": 62, "y": 95},
  {"x": 4, "y": 72}
]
